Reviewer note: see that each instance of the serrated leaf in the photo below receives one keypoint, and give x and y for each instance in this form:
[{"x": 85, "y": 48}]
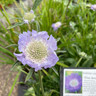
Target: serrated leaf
[{"x": 29, "y": 75}]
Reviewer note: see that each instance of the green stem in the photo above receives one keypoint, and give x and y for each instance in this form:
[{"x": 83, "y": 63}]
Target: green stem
[
  {"x": 41, "y": 83},
  {"x": 78, "y": 62},
  {"x": 64, "y": 13}
]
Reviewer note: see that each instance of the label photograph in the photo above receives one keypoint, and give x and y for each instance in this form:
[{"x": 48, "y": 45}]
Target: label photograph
[{"x": 73, "y": 82}]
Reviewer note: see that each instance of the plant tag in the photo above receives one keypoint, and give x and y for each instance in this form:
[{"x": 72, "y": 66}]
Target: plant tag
[{"x": 78, "y": 82}]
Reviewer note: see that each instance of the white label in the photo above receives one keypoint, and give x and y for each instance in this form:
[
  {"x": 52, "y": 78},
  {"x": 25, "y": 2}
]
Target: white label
[{"x": 79, "y": 82}]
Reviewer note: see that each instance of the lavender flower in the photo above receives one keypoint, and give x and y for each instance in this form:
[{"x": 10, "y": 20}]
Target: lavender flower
[
  {"x": 56, "y": 25},
  {"x": 73, "y": 82},
  {"x": 37, "y": 49},
  {"x": 29, "y": 17},
  {"x": 93, "y": 7}
]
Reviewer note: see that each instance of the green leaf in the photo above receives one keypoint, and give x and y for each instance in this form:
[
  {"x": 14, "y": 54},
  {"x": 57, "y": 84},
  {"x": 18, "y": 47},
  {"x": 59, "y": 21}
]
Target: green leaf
[
  {"x": 6, "y": 51},
  {"x": 71, "y": 51},
  {"x": 11, "y": 45},
  {"x": 2, "y": 44},
  {"x": 15, "y": 25},
  {"x": 45, "y": 72},
  {"x": 6, "y": 37},
  {"x": 88, "y": 62},
  {"x": 60, "y": 51},
  {"x": 36, "y": 3},
  {"x": 3, "y": 27},
  {"x": 61, "y": 64},
  {"x": 54, "y": 91},
  {"x": 30, "y": 92},
  {"x": 50, "y": 92},
  {"x": 29, "y": 75},
  {"x": 15, "y": 64},
  {"x": 70, "y": 60},
  {"x": 56, "y": 72},
  {"x": 21, "y": 69},
  {"x": 6, "y": 60},
  {"x": 14, "y": 83}
]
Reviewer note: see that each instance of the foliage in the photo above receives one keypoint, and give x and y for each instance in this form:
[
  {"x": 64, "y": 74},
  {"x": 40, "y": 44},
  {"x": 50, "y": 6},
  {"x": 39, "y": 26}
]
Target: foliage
[
  {"x": 76, "y": 35},
  {"x": 6, "y": 2}
]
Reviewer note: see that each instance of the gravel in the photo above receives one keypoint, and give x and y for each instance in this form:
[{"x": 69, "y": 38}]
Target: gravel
[{"x": 6, "y": 80}]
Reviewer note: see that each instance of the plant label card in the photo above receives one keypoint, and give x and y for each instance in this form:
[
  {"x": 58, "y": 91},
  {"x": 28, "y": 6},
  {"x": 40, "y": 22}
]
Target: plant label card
[{"x": 78, "y": 82}]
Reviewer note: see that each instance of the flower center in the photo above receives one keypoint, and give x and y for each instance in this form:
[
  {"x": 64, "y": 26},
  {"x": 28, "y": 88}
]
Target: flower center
[
  {"x": 74, "y": 83},
  {"x": 36, "y": 51},
  {"x": 29, "y": 16}
]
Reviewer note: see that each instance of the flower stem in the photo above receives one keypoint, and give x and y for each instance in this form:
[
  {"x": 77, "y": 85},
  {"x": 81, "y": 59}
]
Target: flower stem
[
  {"x": 79, "y": 62},
  {"x": 41, "y": 83}
]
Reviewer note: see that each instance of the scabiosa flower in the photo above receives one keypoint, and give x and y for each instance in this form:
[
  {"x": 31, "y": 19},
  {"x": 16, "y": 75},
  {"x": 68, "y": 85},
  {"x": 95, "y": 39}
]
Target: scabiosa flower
[
  {"x": 93, "y": 7},
  {"x": 37, "y": 49},
  {"x": 56, "y": 25},
  {"x": 73, "y": 82},
  {"x": 29, "y": 17}
]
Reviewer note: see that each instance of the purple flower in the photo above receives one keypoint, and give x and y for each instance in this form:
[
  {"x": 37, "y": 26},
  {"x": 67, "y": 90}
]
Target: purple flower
[
  {"x": 73, "y": 82},
  {"x": 56, "y": 25},
  {"x": 93, "y": 7},
  {"x": 37, "y": 49},
  {"x": 29, "y": 17}
]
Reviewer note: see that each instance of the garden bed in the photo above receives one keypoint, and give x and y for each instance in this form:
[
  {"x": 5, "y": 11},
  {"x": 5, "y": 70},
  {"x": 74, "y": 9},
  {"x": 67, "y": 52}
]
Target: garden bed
[{"x": 51, "y": 34}]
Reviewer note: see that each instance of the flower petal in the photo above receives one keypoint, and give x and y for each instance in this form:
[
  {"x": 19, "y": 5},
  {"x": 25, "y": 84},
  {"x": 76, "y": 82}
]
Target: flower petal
[
  {"x": 56, "y": 25},
  {"x": 26, "y": 21},
  {"x": 44, "y": 35},
  {"x": 52, "y": 43},
  {"x": 31, "y": 11},
  {"x": 51, "y": 60},
  {"x": 21, "y": 58},
  {"x": 34, "y": 33},
  {"x": 23, "y": 40}
]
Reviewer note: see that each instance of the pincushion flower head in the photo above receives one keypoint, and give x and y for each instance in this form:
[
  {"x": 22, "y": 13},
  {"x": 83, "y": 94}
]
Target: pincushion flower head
[
  {"x": 56, "y": 25},
  {"x": 93, "y": 7},
  {"x": 73, "y": 82},
  {"x": 29, "y": 17},
  {"x": 37, "y": 49}
]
